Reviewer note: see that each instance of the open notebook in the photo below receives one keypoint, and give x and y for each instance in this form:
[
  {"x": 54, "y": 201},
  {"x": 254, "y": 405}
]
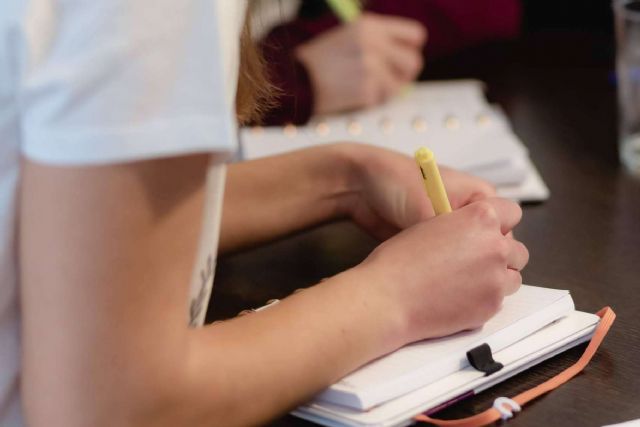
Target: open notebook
[
  {"x": 452, "y": 118},
  {"x": 534, "y": 324}
]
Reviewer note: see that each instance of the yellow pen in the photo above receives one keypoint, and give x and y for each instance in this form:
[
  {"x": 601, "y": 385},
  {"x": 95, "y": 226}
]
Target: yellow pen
[
  {"x": 432, "y": 181},
  {"x": 346, "y": 10}
]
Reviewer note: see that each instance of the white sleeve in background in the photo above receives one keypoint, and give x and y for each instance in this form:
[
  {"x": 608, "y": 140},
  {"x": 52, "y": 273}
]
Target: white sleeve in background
[{"x": 106, "y": 81}]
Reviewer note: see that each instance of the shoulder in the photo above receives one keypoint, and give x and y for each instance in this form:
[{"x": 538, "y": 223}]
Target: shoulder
[{"x": 109, "y": 81}]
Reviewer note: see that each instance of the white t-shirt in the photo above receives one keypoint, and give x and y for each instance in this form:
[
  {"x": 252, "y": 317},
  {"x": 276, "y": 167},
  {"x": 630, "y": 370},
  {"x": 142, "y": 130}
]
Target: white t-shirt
[{"x": 106, "y": 81}]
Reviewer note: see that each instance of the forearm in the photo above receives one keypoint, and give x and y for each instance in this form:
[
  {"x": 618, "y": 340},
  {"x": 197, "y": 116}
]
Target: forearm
[
  {"x": 266, "y": 368},
  {"x": 104, "y": 333},
  {"x": 105, "y": 337},
  {"x": 274, "y": 196},
  {"x": 245, "y": 371}
]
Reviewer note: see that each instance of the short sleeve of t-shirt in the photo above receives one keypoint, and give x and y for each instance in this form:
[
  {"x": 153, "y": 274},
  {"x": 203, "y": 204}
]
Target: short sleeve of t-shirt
[{"x": 106, "y": 81}]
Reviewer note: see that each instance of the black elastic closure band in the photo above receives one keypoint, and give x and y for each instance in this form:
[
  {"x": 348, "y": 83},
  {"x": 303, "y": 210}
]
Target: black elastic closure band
[{"x": 482, "y": 359}]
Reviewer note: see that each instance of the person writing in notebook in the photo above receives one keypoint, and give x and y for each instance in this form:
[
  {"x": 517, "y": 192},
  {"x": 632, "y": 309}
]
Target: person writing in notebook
[
  {"x": 113, "y": 152},
  {"x": 323, "y": 65}
]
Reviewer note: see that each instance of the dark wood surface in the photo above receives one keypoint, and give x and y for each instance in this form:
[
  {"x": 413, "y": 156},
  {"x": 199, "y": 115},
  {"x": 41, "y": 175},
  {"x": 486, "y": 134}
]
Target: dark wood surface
[{"x": 558, "y": 92}]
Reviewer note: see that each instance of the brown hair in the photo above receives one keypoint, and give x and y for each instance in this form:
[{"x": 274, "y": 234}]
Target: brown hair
[{"x": 255, "y": 93}]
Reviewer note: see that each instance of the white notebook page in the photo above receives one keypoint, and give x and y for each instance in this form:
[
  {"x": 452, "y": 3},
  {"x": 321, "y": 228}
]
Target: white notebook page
[
  {"x": 566, "y": 332},
  {"x": 452, "y": 118},
  {"x": 417, "y": 364}
]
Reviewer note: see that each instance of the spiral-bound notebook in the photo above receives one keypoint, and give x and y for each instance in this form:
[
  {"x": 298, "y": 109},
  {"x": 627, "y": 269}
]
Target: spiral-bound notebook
[
  {"x": 533, "y": 325},
  {"x": 452, "y": 118}
]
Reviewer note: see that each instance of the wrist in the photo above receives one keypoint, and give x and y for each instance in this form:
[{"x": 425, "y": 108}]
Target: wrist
[
  {"x": 355, "y": 162},
  {"x": 374, "y": 306},
  {"x": 339, "y": 172}
]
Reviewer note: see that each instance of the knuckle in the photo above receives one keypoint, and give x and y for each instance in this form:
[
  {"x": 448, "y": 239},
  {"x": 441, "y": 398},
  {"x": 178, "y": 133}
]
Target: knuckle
[
  {"x": 485, "y": 213},
  {"x": 501, "y": 249}
]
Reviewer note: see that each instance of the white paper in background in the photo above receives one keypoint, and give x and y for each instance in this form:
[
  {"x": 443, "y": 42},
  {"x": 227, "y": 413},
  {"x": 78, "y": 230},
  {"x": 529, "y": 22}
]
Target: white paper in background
[
  {"x": 632, "y": 423},
  {"x": 452, "y": 118},
  {"x": 532, "y": 189}
]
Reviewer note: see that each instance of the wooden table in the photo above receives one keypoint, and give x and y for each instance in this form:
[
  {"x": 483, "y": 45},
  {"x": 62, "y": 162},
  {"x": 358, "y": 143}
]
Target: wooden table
[{"x": 558, "y": 92}]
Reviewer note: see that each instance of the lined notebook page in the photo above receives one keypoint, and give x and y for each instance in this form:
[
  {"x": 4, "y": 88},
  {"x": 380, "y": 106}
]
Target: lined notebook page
[{"x": 528, "y": 310}]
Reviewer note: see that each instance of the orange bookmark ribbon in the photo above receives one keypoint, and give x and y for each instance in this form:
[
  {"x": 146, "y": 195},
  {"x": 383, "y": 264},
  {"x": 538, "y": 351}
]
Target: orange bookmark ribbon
[{"x": 503, "y": 407}]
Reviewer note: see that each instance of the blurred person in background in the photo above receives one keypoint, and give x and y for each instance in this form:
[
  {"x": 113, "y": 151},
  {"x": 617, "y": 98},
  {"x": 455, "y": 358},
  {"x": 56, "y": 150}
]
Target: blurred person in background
[{"x": 322, "y": 65}]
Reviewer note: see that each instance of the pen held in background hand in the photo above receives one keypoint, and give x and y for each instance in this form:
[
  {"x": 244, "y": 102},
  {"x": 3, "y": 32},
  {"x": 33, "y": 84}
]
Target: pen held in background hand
[{"x": 346, "y": 10}]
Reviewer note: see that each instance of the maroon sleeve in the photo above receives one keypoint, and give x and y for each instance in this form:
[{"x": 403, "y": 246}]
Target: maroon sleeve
[
  {"x": 457, "y": 24},
  {"x": 294, "y": 100}
]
